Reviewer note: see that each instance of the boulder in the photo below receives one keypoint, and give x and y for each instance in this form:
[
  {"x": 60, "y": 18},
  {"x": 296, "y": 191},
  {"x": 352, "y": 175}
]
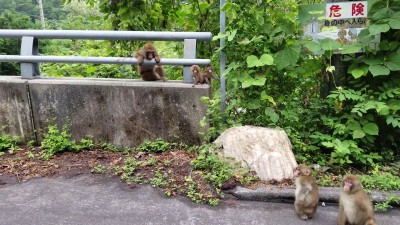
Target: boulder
[{"x": 266, "y": 151}]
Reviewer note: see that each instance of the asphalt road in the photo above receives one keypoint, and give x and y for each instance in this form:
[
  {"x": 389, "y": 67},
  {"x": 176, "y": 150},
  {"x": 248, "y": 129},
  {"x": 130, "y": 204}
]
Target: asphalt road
[{"x": 96, "y": 200}]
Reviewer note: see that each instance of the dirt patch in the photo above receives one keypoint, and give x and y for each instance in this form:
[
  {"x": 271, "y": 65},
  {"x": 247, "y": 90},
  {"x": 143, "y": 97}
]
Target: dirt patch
[{"x": 171, "y": 170}]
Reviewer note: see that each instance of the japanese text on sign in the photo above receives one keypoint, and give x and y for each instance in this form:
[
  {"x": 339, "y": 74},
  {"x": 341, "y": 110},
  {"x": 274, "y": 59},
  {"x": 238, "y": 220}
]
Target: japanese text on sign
[{"x": 343, "y": 10}]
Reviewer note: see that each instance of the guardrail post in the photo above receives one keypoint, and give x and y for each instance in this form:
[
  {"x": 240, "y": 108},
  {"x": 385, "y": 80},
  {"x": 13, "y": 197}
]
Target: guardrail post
[
  {"x": 29, "y": 46},
  {"x": 189, "y": 52}
]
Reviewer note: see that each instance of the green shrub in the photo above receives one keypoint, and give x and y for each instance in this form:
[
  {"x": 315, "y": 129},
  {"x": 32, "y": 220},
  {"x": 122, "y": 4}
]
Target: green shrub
[{"x": 55, "y": 141}]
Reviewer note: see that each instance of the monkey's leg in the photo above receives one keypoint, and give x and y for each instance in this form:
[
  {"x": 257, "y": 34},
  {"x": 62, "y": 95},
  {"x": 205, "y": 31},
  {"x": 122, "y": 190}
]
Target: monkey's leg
[
  {"x": 207, "y": 80},
  {"x": 300, "y": 212},
  {"x": 160, "y": 73},
  {"x": 149, "y": 75}
]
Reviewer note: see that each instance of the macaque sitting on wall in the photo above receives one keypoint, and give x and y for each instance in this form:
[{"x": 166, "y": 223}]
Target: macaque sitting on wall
[
  {"x": 307, "y": 194},
  {"x": 149, "y": 72},
  {"x": 208, "y": 74},
  {"x": 355, "y": 208},
  {"x": 201, "y": 77}
]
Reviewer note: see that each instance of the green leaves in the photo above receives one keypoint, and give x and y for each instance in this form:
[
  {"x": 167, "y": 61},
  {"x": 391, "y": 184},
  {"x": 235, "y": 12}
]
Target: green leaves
[
  {"x": 287, "y": 57},
  {"x": 265, "y": 59},
  {"x": 393, "y": 61},
  {"x": 250, "y": 81},
  {"x": 377, "y": 70},
  {"x": 360, "y": 132},
  {"x": 378, "y": 28}
]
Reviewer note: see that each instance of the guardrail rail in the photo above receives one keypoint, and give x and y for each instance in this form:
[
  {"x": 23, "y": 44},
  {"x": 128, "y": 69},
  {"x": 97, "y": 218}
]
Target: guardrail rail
[{"x": 30, "y": 58}]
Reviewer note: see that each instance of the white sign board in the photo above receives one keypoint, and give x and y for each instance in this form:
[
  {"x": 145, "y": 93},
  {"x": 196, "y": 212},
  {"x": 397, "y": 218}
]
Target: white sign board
[{"x": 346, "y": 10}]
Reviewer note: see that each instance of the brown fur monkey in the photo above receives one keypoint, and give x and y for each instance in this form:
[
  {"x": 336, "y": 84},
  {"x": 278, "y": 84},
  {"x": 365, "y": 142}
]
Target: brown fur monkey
[
  {"x": 355, "y": 208},
  {"x": 196, "y": 75},
  {"x": 307, "y": 195},
  {"x": 149, "y": 72},
  {"x": 208, "y": 74}
]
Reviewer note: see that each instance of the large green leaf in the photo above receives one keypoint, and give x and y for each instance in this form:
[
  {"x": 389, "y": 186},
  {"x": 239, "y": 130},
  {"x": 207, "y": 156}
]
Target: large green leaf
[
  {"x": 287, "y": 57},
  {"x": 266, "y": 59},
  {"x": 254, "y": 104},
  {"x": 357, "y": 73},
  {"x": 378, "y": 70},
  {"x": 394, "y": 24},
  {"x": 252, "y": 61},
  {"x": 373, "y": 61},
  {"x": 232, "y": 35},
  {"x": 358, "y": 134},
  {"x": 393, "y": 61},
  {"x": 259, "y": 81},
  {"x": 378, "y": 28},
  {"x": 371, "y": 129},
  {"x": 313, "y": 46},
  {"x": 247, "y": 82},
  {"x": 264, "y": 96},
  {"x": 354, "y": 125},
  {"x": 329, "y": 44},
  {"x": 348, "y": 49}
]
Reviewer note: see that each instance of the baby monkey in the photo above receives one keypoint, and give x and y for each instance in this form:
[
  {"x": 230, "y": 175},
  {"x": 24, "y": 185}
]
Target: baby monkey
[
  {"x": 149, "y": 72},
  {"x": 201, "y": 77},
  {"x": 307, "y": 195},
  {"x": 355, "y": 208}
]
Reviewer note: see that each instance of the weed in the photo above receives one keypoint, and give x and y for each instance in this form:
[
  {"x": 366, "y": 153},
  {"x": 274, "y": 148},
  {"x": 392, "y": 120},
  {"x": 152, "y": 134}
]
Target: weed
[
  {"x": 129, "y": 167},
  {"x": 383, "y": 206},
  {"x": 139, "y": 178},
  {"x": 108, "y": 146},
  {"x": 152, "y": 161},
  {"x": 213, "y": 201},
  {"x": 381, "y": 181},
  {"x": 160, "y": 179},
  {"x": 31, "y": 155},
  {"x": 86, "y": 143},
  {"x": 55, "y": 141},
  {"x": 156, "y": 146},
  {"x": 99, "y": 169},
  {"x": 193, "y": 194},
  {"x": 31, "y": 144},
  {"x": 7, "y": 142},
  {"x": 167, "y": 162},
  {"x": 247, "y": 179},
  {"x": 216, "y": 170},
  {"x": 327, "y": 180}
]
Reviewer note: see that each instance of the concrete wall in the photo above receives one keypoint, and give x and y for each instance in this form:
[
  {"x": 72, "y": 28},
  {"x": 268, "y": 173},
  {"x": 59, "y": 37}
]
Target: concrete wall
[
  {"x": 15, "y": 116},
  {"x": 122, "y": 112}
]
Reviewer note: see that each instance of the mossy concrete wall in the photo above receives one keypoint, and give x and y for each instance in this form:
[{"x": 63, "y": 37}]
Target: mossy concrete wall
[{"x": 121, "y": 112}]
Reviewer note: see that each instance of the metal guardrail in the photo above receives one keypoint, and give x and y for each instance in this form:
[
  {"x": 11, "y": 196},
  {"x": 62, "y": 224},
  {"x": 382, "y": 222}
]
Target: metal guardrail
[{"x": 30, "y": 58}]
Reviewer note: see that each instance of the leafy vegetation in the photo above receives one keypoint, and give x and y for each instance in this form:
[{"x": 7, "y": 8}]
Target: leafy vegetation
[
  {"x": 58, "y": 141},
  {"x": 7, "y": 142}
]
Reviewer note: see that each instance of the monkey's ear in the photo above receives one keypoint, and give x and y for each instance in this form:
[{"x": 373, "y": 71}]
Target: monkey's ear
[{"x": 307, "y": 172}]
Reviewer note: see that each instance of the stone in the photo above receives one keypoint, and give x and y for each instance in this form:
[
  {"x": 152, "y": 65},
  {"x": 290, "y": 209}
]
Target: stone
[{"x": 266, "y": 151}]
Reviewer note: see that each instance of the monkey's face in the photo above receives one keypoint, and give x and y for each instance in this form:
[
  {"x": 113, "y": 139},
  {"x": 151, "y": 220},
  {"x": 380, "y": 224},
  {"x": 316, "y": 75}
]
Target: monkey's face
[
  {"x": 150, "y": 55},
  {"x": 209, "y": 69},
  {"x": 301, "y": 170},
  {"x": 347, "y": 185}
]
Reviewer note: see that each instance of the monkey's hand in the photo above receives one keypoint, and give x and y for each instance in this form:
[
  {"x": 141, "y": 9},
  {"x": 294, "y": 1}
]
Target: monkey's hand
[{"x": 158, "y": 61}]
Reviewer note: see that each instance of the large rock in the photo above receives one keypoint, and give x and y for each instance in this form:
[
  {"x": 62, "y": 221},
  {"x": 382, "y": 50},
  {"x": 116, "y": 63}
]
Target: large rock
[{"x": 266, "y": 151}]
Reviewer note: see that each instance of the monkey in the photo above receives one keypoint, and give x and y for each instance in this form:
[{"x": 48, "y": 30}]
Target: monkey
[
  {"x": 149, "y": 72},
  {"x": 355, "y": 208},
  {"x": 196, "y": 75},
  {"x": 307, "y": 194},
  {"x": 208, "y": 74}
]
